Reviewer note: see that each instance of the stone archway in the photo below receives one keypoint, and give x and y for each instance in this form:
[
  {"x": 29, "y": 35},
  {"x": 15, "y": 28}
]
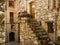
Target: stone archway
[{"x": 11, "y": 36}]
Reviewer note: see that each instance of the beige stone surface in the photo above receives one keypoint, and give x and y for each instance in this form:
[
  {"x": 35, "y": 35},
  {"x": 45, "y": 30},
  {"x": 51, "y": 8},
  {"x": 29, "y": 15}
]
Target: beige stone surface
[
  {"x": 27, "y": 37},
  {"x": 42, "y": 13}
]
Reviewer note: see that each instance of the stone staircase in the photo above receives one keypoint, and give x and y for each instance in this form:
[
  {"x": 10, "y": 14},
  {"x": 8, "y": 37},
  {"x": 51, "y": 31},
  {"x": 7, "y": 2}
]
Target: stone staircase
[
  {"x": 27, "y": 36},
  {"x": 38, "y": 30},
  {"x": 31, "y": 33}
]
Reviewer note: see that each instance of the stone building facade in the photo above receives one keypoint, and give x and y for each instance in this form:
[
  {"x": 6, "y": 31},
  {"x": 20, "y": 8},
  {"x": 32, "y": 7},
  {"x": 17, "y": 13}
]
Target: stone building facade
[
  {"x": 46, "y": 13},
  {"x": 12, "y": 20},
  {"x": 13, "y": 7},
  {"x": 43, "y": 11}
]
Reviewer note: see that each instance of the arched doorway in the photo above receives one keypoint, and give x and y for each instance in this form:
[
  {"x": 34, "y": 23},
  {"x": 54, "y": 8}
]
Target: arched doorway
[{"x": 12, "y": 36}]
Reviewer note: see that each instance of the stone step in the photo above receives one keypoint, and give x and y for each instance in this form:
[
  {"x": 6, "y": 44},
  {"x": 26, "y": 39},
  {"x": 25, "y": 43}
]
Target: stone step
[
  {"x": 39, "y": 30},
  {"x": 42, "y": 33},
  {"x": 29, "y": 36},
  {"x": 36, "y": 25}
]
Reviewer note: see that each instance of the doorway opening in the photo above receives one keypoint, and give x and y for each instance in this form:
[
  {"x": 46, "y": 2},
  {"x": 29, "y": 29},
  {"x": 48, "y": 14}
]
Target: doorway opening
[
  {"x": 12, "y": 36},
  {"x": 32, "y": 9},
  {"x": 50, "y": 27}
]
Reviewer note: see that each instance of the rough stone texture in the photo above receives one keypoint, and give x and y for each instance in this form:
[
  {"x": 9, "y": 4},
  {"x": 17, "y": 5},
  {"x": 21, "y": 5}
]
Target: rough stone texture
[
  {"x": 41, "y": 12},
  {"x": 41, "y": 9},
  {"x": 2, "y": 35},
  {"x": 27, "y": 37},
  {"x": 12, "y": 43},
  {"x": 44, "y": 14}
]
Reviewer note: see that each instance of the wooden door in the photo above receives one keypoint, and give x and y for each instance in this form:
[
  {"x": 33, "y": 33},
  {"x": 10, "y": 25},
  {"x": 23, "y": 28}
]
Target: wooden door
[{"x": 32, "y": 9}]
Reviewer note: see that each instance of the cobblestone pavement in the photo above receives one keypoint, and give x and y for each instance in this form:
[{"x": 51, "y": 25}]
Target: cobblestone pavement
[{"x": 12, "y": 43}]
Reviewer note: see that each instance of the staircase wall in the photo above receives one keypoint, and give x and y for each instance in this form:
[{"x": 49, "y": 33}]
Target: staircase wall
[{"x": 27, "y": 37}]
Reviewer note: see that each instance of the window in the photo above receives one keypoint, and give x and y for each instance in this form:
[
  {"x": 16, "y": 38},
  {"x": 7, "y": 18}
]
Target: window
[
  {"x": 51, "y": 4},
  {"x": 12, "y": 27},
  {"x": 54, "y": 4},
  {"x": 11, "y": 17},
  {"x": 40, "y": 23},
  {"x": 50, "y": 27},
  {"x": 58, "y": 38},
  {"x": 59, "y": 3},
  {"x": 11, "y": 3}
]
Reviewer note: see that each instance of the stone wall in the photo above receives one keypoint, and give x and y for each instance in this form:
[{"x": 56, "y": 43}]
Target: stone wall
[
  {"x": 45, "y": 12},
  {"x": 27, "y": 37},
  {"x": 2, "y": 35},
  {"x": 15, "y": 11}
]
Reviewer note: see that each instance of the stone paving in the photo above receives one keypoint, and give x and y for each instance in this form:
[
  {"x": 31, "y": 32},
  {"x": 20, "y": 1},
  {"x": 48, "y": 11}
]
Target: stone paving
[{"x": 12, "y": 43}]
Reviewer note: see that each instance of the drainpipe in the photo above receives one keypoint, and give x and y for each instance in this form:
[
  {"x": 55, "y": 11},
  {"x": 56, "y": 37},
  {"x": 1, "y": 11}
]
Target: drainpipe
[
  {"x": 19, "y": 32},
  {"x": 56, "y": 19}
]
